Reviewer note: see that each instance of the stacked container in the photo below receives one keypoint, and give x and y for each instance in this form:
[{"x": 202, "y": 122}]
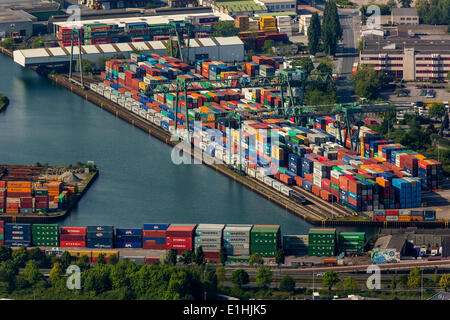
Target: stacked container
[
  {"x": 236, "y": 239},
  {"x": 2, "y": 232},
  {"x": 128, "y": 238},
  {"x": 430, "y": 171},
  {"x": 265, "y": 240},
  {"x": 100, "y": 237},
  {"x": 45, "y": 235},
  {"x": 180, "y": 237},
  {"x": 322, "y": 242},
  {"x": 41, "y": 199},
  {"x": 2, "y": 196},
  {"x": 72, "y": 237},
  {"x": 209, "y": 237},
  {"x": 154, "y": 236},
  {"x": 17, "y": 234},
  {"x": 352, "y": 242}
]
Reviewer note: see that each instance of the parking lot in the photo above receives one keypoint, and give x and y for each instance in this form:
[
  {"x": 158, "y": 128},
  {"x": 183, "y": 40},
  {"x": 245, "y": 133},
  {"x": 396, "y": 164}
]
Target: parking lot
[{"x": 440, "y": 94}]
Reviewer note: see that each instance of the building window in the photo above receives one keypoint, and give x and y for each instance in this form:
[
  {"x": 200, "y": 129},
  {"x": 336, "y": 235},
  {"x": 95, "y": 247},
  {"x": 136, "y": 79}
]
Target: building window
[{"x": 292, "y": 5}]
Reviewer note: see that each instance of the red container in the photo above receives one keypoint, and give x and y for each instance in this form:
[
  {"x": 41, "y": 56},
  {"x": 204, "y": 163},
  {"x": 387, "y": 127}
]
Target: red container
[
  {"x": 151, "y": 259},
  {"x": 73, "y": 230},
  {"x": 72, "y": 237},
  {"x": 73, "y": 244},
  {"x": 153, "y": 233},
  {"x": 150, "y": 244}
]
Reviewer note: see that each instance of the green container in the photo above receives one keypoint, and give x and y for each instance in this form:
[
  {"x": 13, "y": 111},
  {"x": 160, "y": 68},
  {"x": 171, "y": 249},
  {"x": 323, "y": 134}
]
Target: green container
[{"x": 2, "y": 237}]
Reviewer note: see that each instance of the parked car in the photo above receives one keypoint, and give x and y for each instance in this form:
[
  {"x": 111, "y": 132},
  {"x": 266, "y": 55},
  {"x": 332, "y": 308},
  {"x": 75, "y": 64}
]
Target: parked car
[{"x": 431, "y": 94}]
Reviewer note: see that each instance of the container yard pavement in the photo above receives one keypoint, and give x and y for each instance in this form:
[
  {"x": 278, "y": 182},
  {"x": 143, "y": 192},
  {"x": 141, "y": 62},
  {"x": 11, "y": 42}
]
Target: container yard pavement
[{"x": 440, "y": 200}]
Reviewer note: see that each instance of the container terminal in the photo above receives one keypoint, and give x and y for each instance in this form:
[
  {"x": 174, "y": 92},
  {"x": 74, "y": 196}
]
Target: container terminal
[
  {"x": 322, "y": 167},
  {"x": 42, "y": 194}
]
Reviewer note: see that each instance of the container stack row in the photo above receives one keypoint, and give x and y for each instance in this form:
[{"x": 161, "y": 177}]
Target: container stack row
[
  {"x": 100, "y": 237},
  {"x": 128, "y": 238},
  {"x": 209, "y": 237},
  {"x": 154, "y": 236}
]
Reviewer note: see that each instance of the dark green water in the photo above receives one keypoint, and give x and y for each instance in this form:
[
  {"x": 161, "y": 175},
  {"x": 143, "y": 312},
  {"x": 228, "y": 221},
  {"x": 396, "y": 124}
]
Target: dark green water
[{"x": 138, "y": 182}]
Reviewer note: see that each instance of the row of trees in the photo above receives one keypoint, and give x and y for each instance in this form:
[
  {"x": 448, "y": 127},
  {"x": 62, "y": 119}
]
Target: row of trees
[{"x": 325, "y": 37}]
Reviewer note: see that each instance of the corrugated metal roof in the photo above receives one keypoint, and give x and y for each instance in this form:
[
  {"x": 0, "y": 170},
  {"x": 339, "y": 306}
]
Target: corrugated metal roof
[{"x": 223, "y": 41}]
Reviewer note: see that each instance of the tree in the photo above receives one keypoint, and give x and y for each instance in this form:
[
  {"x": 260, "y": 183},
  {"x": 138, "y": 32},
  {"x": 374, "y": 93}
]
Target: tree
[
  {"x": 37, "y": 43},
  {"x": 350, "y": 285},
  {"x": 20, "y": 256},
  {"x": 391, "y": 4},
  {"x": 5, "y": 253},
  {"x": 240, "y": 277},
  {"x": 199, "y": 256},
  {"x": 83, "y": 263},
  {"x": 314, "y": 32},
  {"x": 8, "y": 271},
  {"x": 101, "y": 259},
  {"x": 7, "y": 43},
  {"x": 331, "y": 28},
  {"x": 96, "y": 280},
  {"x": 39, "y": 257},
  {"x": 404, "y": 280},
  {"x": 444, "y": 283},
  {"x": 433, "y": 11},
  {"x": 305, "y": 62},
  {"x": 267, "y": 47},
  {"x": 170, "y": 257},
  {"x": 186, "y": 256},
  {"x": 287, "y": 284},
  {"x": 32, "y": 273},
  {"x": 445, "y": 122},
  {"x": 56, "y": 273},
  {"x": 88, "y": 65},
  {"x": 329, "y": 279},
  {"x": 394, "y": 283},
  {"x": 324, "y": 67},
  {"x": 448, "y": 74},
  {"x": 220, "y": 273},
  {"x": 437, "y": 110},
  {"x": 368, "y": 82},
  {"x": 224, "y": 29},
  {"x": 263, "y": 277},
  {"x": 65, "y": 259},
  {"x": 414, "y": 278},
  {"x": 113, "y": 259},
  {"x": 279, "y": 256},
  {"x": 223, "y": 255},
  {"x": 256, "y": 259},
  {"x": 405, "y": 3}
]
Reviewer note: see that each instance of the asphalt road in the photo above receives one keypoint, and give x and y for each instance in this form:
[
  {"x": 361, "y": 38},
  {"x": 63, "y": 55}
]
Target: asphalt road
[{"x": 347, "y": 53}]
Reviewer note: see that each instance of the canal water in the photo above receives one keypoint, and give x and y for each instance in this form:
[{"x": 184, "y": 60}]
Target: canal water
[{"x": 138, "y": 183}]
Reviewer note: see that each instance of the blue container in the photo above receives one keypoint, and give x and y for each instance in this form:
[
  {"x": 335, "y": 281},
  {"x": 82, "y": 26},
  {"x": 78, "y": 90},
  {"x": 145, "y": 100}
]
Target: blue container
[
  {"x": 13, "y": 243},
  {"x": 156, "y": 226},
  {"x": 99, "y": 243},
  {"x": 124, "y": 244},
  {"x": 100, "y": 235},
  {"x": 128, "y": 238},
  {"x": 100, "y": 228},
  {"x": 17, "y": 226},
  {"x": 129, "y": 231}
]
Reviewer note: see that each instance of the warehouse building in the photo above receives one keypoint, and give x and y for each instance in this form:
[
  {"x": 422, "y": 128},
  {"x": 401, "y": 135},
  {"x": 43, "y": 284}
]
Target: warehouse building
[
  {"x": 394, "y": 243},
  {"x": 226, "y": 49},
  {"x": 404, "y": 16},
  {"x": 16, "y": 22},
  {"x": 409, "y": 59}
]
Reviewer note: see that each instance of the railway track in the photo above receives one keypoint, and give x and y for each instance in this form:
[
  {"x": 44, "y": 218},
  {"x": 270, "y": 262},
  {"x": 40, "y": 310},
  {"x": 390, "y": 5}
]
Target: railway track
[{"x": 335, "y": 210}]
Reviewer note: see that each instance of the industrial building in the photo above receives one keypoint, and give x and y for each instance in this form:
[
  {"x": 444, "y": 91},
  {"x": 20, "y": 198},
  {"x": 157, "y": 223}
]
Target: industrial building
[
  {"x": 279, "y": 5},
  {"x": 409, "y": 59},
  {"x": 150, "y": 19},
  {"x": 394, "y": 244},
  {"x": 226, "y": 49},
  {"x": 404, "y": 16},
  {"x": 16, "y": 22}
]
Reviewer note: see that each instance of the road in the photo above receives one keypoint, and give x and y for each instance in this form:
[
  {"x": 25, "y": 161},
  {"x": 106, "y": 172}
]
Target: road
[{"x": 347, "y": 52}]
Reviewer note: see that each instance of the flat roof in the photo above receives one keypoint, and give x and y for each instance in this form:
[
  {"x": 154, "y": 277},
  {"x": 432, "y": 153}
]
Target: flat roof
[
  {"x": 10, "y": 16},
  {"x": 241, "y": 6},
  {"x": 397, "y": 45},
  {"x": 148, "y": 19},
  {"x": 277, "y": 1},
  {"x": 404, "y": 11},
  {"x": 390, "y": 242}
]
